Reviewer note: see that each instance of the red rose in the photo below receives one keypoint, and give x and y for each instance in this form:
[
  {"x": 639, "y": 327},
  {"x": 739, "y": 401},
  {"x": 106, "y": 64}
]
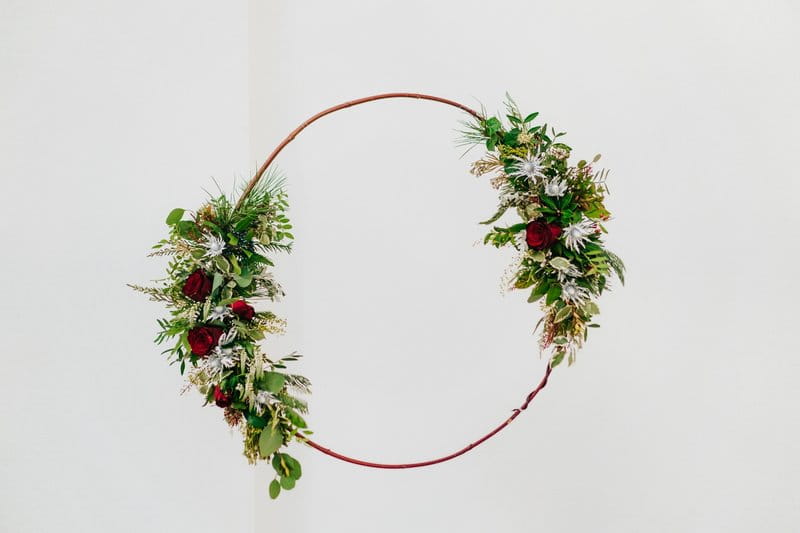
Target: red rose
[
  {"x": 243, "y": 310},
  {"x": 203, "y": 339},
  {"x": 541, "y": 235},
  {"x": 221, "y": 399},
  {"x": 197, "y": 286}
]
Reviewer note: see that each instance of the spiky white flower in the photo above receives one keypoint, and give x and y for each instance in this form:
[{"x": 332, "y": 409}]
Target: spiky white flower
[
  {"x": 564, "y": 269},
  {"x": 576, "y": 235},
  {"x": 219, "y": 312},
  {"x": 220, "y": 359},
  {"x": 227, "y": 337},
  {"x": 262, "y": 400},
  {"x": 529, "y": 167},
  {"x": 572, "y": 293},
  {"x": 555, "y": 187},
  {"x": 214, "y": 246}
]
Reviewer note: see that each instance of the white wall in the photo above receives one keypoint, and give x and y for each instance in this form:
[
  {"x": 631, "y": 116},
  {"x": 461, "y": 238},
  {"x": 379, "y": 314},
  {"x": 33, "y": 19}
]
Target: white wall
[
  {"x": 111, "y": 114},
  {"x": 681, "y": 414}
]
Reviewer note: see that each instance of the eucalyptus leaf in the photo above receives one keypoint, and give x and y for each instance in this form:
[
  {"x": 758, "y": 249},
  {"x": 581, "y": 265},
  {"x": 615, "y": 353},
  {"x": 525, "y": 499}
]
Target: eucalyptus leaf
[
  {"x": 274, "y": 489},
  {"x": 269, "y": 441},
  {"x": 273, "y": 381},
  {"x": 243, "y": 281},
  {"x": 175, "y": 216},
  {"x": 287, "y": 483},
  {"x": 295, "y": 471},
  {"x": 591, "y": 308}
]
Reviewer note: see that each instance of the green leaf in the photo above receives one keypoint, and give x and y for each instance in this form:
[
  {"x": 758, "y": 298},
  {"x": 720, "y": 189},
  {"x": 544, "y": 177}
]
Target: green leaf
[
  {"x": 222, "y": 263},
  {"x": 287, "y": 483},
  {"x": 556, "y": 360},
  {"x": 269, "y": 441},
  {"x": 175, "y": 216},
  {"x": 273, "y": 381},
  {"x": 552, "y": 294},
  {"x": 561, "y": 340},
  {"x": 256, "y": 421},
  {"x": 591, "y": 308},
  {"x": 496, "y": 216},
  {"x": 538, "y": 291},
  {"x": 243, "y": 281},
  {"x": 493, "y": 124},
  {"x": 530, "y": 117},
  {"x": 295, "y": 419},
  {"x": 274, "y": 489},
  {"x": 236, "y": 268},
  {"x": 538, "y": 256},
  {"x": 218, "y": 279},
  {"x": 295, "y": 471},
  {"x": 560, "y": 263},
  {"x": 563, "y": 314}
]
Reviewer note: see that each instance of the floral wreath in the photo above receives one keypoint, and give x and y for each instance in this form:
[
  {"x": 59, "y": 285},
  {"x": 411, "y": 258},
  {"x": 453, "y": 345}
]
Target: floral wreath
[{"x": 220, "y": 271}]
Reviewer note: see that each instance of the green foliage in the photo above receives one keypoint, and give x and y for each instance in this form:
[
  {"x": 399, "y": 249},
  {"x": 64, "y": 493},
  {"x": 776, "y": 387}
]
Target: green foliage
[
  {"x": 563, "y": 276},
  {"x": 230, "y": 246}
]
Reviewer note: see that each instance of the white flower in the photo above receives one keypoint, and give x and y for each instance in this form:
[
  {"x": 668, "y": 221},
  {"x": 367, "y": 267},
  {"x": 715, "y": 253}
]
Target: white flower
[
  {"x": 227, "y": 337},
  {"x": 555, "y": 187},
  {"x": 262, "y": 400},
  {"x": 572, "y": 293},
  {"x": 529, "y": 167},
  {"x": 564, "y": 269},
  {"x": 576, "y": 235},
  {"x": 219, "y": 313},
  {"x": 214, "y": 245},
  {"x": 220, "y": 359}
]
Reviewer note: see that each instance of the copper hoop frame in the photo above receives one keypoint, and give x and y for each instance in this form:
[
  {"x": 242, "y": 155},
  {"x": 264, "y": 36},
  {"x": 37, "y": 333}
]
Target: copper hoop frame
[{"x": 252, "y": 183}]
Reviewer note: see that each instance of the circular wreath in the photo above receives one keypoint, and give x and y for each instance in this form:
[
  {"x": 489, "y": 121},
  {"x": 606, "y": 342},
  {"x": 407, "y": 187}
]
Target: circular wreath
[{"x": 220, "y": 271}]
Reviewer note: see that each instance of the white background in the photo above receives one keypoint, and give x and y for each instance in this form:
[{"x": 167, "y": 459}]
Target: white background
[{"x": 681, "y": 413}]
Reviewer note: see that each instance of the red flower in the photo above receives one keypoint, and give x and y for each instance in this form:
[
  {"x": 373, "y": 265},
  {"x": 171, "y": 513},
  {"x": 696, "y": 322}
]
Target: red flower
[
  {"x": 203, "y": 339},
  {"x": 541, "y": 235},
  {"x": 197, "y": 286},
  {"x": 243, "y": 310},
  {"x": 221, "y": 399}
]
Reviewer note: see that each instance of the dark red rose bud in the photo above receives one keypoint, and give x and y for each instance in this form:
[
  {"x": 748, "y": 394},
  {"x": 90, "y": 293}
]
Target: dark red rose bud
[
  {"x": 540, "y": 235},
  {"x": 197, "y": 286},
  {"x": 243, "y": 310},
  {"x": 203, "y": 339},
  {"x": 220, "y": 398}
]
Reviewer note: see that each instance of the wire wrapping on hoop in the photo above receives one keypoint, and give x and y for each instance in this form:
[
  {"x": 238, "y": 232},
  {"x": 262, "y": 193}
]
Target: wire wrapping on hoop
[{"x": 252, "y": 183}]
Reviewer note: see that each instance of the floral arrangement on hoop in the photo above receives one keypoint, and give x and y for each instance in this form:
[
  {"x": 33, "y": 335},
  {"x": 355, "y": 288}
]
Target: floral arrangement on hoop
[
  {"x": 219, "y": 267},
  {"x": 561, "y": 207}
]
